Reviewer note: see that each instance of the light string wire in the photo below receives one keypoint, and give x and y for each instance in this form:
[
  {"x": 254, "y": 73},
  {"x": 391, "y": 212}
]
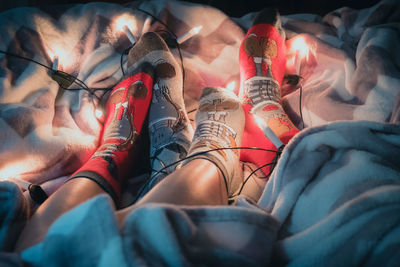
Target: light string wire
[
  {"x": 82, "y": 86},
  {"x": 60, "y": 73},
  {"x": 148, "y": 181}
]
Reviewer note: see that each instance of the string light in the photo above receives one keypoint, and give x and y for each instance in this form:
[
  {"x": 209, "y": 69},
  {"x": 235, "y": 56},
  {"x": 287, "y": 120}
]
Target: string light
[
  {"x": 231, "y": 86},
  {"x": 189, "y": 34},
  {"x": 267, "y": 131},
  {"x": 162, "y": 170},
  {"x": 13, "y": 170},
  {"x": 121, "y": 24},
  {"x": 99, "y": 115},
  {"x": 129, "y": 34},
  {"x": 55, "y": 63},
  {"x": 298, "y": 51}
]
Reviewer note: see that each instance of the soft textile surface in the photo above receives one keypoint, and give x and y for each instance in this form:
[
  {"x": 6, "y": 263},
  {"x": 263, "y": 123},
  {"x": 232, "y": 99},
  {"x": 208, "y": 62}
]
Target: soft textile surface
[
  {"x": 335, "y": 191},
  {"x": 46, "y": 132},
  {"x": 157, "y": 235},
  {"x": 336, "y": 199},
  {"x": 354, "y": 74}
]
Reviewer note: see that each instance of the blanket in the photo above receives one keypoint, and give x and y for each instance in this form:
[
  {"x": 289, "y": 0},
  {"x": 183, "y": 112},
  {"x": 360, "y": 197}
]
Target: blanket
[
  {"x": 348, "y": 62},
  {"x": 342, "y": 209},
  {"x": 350, "y": 71},
  {"x": 48, "y": 132}
]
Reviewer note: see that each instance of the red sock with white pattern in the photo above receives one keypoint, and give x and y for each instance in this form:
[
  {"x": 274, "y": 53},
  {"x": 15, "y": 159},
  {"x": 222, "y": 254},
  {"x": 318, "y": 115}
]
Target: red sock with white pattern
[
  {"x": 262, "y": 59},
  {"x": 127, "y": 109}
]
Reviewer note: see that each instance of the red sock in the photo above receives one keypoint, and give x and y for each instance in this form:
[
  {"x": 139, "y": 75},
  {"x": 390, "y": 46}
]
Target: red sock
[
  {"x": 127, "y": 109},
  {"x": 262, "y": 59}
]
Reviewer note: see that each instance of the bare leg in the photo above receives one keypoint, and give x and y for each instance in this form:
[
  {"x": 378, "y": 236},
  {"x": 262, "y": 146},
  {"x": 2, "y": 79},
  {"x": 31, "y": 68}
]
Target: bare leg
[
  {"x": 71, "y": 194},
  {"x": 111, "y": 162},
  {"x": 199, "y": 182},
  {"x": 213, "y": 173}
]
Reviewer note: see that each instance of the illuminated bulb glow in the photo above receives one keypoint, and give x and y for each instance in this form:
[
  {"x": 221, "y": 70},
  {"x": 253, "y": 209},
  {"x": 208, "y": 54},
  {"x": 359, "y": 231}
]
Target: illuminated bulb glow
[
  {"x": 13, "y": 170},
  {"x": 99, "y": 114},
  {"x": 121, "y": 25},
  {"x": 129, "y": 34},
  {"x": 189, "y": 34},
  {"x": 301, "y": 50},
  {"x": 300, "y": 46},
  {"x": 55, "y": 63},
  {"x": 231, "y": 86},
  {"x": 267, "y": 131},
  {"x": 60, "y": 57}
]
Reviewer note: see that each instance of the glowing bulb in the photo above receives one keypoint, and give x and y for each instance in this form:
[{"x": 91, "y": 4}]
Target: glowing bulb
[
  {"x": 267, "y": 131},
  {"x": 122, "y": 21},
  {"x": 55, "y": 63},
  {"x": 129, "y": 34},
  {"x": 53, "y": 58},
  {"x": 59, "y": 57},
  {"x": 189, "y": 34},
  {"x": 121, "y": 24},
  {"x": 197, "y": 29},
  {"x": 231, "y": 86},
  {"x": 300, "y": 46},
  {"x": 99, "y": 114},
  {"x": 13, "y": 170}
]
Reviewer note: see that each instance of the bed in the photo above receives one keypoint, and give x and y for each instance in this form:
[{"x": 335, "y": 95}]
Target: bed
[{"x": 333, "y": 198}]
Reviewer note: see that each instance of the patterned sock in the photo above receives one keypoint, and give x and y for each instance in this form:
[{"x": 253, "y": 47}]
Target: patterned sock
[
  {"x": 126, "y": 110},
  {"x": 220, "y": 124},
  {"x": 169, "y": 127},
  {"x": 262, "y": 59}
]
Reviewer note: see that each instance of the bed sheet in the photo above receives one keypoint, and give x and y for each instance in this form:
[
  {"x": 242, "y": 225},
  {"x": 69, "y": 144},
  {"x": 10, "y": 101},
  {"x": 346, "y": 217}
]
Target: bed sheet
[{"x": 350, "y": 72}]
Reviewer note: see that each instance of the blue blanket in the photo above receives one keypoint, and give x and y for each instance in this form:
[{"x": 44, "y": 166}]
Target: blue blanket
[{"x": 334, "y": 199}]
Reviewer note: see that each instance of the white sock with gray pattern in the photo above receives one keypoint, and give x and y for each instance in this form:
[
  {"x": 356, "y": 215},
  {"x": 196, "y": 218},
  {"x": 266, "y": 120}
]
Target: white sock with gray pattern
[{"x": 220, "y": 124}]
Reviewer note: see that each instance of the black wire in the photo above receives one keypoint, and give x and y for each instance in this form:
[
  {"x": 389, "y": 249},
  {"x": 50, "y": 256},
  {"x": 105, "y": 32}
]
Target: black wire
[
  {"x": 83, "y": 86},
  {"x": 148, "y": 181},
  {"x": 300, "y": 106},
  {"x": 25, "y": 58},
  {"x": 211, "y": 150},
  {"x": 73, "y": 78},
  {"x": 248, "y": 177},
  {"x": 193, "y": 110}
]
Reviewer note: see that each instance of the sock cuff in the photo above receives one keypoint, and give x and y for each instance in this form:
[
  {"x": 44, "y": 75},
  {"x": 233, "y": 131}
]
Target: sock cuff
[{"x": 101, "y": 181}]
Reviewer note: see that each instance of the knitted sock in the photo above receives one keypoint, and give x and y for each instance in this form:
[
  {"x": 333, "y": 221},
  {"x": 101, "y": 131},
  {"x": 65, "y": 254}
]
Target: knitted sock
[
  {"x": 220, "y": 124},
  {"x": 169, "y": 127},
  {"x": 126, "y": 110},
  {"x": 262, "y": 59}
]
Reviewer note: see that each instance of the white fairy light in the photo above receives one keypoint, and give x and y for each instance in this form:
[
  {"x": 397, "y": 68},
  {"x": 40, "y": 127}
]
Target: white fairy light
[
  {"x": 121, "y": 24},
  {"x": 99, "y": 114},
  {"x": 129, "y": 34},
  {"x": 189, "y": 34},
  {"x": 267, "y": 131},
  {"x": 55, "y": 63},
  {"x": 231, "y": 86}
]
